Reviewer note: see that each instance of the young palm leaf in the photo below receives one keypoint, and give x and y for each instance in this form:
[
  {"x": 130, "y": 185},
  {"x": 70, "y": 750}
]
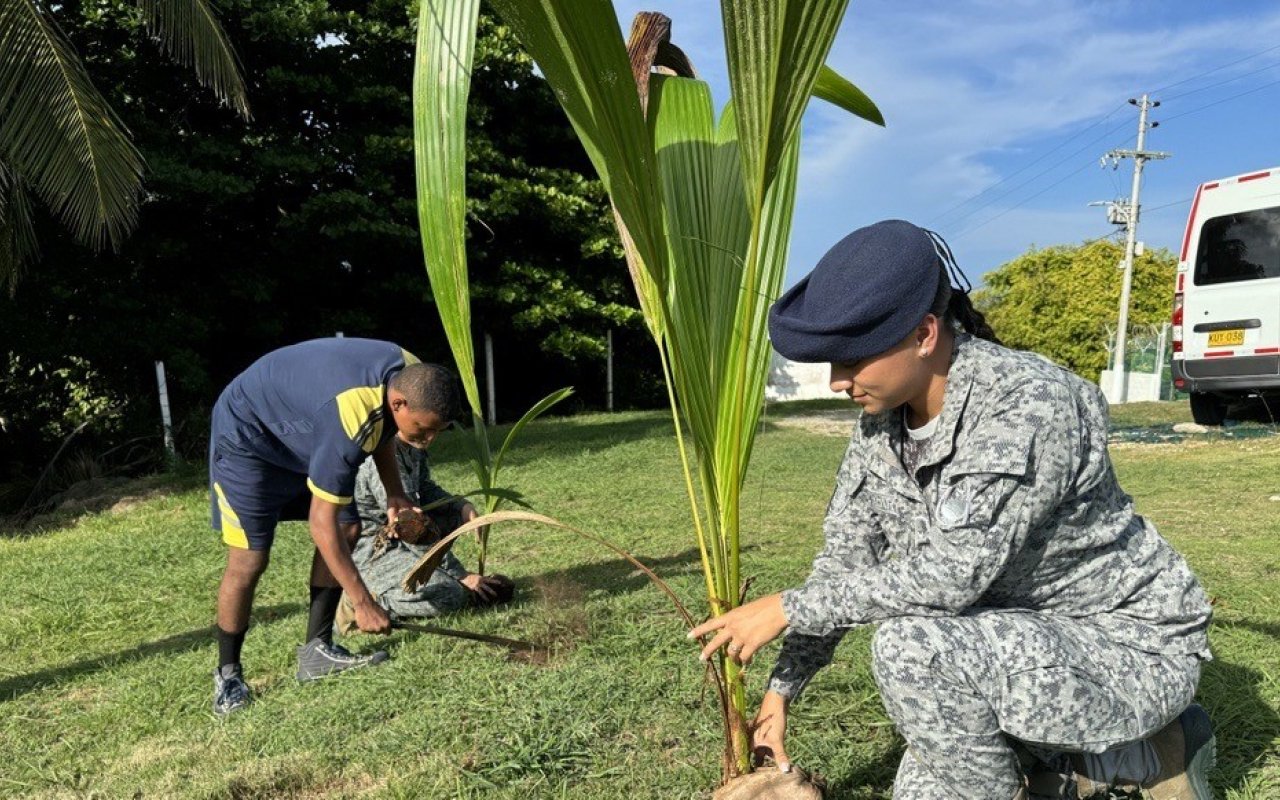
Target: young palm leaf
[{"x": 441, "y": 84}]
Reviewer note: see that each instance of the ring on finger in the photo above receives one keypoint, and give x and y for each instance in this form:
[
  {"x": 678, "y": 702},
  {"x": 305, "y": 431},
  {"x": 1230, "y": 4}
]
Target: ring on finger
[{"x": 734, "y": 648}]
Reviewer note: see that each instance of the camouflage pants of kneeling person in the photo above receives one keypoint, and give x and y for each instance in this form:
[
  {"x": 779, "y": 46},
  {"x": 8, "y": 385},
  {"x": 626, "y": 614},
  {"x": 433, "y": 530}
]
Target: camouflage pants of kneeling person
[
  {"x": 441, "y": 594},
  {"x": 966, "y": 691}
]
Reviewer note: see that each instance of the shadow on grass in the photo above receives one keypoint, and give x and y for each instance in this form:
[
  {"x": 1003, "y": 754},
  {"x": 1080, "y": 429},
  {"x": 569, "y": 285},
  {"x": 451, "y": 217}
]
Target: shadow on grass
[
  {"x": 96, "y": 495},
  {"x": 1245, "y": 723},
  {"x": 13, "y": 687}
]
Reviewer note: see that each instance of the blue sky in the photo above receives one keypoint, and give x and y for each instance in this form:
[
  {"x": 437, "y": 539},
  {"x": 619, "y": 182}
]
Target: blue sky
[{"x": 998, "y": 111}]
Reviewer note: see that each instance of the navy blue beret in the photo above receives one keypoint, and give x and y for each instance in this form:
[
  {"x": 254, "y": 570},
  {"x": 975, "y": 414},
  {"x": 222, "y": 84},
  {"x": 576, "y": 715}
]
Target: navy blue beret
[{"x": 864, "y": 296}]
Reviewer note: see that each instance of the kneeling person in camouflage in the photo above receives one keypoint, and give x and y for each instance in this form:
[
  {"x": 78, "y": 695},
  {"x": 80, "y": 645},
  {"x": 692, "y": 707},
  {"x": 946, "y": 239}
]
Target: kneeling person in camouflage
[{"x": 383, "y": 557}]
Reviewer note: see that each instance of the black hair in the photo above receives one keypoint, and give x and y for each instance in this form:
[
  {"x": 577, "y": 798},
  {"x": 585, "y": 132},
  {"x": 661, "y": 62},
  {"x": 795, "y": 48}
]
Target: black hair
[
  {"x": 429, "y": 387},
  {"x": 952, "y": 304}
]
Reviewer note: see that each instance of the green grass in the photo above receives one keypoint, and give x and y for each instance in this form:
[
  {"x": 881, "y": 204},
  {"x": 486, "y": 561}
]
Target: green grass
[{"x": 107, "y": 653}]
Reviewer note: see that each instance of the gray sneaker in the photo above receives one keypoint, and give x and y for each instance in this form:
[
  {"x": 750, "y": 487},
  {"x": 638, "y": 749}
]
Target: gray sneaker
[
  {"x": 230, "y": 692},
  {"x": 317, "y": 658}
]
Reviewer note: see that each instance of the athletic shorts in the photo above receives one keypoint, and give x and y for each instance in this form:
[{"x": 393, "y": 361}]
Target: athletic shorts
[{"x": 248, "y": 497}]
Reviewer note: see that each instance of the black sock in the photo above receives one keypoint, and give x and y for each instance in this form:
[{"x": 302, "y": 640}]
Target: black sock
[
  {"x": 324, "y": 607},
  {"x": 229, "y": 645}
]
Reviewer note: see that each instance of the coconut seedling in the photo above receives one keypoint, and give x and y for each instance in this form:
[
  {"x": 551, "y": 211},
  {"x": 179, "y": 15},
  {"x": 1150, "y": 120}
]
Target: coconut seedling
[
  {"x": 703, "y": 204},
  {"x": 441, "y": 82}
]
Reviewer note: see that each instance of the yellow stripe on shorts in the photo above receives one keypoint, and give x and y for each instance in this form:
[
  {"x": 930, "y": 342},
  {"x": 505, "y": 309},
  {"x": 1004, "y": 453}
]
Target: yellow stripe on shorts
[{"x": 232, "y": 533}]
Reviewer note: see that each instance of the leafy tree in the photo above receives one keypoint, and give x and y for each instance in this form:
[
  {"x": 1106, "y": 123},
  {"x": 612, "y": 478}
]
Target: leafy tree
[
  {"x": 1063, "y": 301},
  {"x": 303, "y": 222},
  {"x": 62, "y": 140}
]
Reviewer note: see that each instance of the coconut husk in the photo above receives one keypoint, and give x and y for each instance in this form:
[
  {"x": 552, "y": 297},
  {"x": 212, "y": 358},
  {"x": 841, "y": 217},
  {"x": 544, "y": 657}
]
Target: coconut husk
[
  {"x": 771, "y": 783},
  {"x": 412, "y": 527}
]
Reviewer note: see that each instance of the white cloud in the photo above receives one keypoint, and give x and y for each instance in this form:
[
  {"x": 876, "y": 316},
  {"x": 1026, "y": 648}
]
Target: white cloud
[{"x": 975, "y": 90}]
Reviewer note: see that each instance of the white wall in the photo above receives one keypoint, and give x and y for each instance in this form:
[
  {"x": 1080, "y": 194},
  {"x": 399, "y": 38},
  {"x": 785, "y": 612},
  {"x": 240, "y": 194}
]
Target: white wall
[
  {"x": 1142, "y": 386},
  {"x": 790, "y": 380}
]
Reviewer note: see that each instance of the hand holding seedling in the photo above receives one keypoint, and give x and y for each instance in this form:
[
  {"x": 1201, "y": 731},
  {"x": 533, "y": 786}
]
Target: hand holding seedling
[
  {"x": 397, "y": 503},
  {"x": 745, "y": 629},
  {"x": 768, "y": 730}
]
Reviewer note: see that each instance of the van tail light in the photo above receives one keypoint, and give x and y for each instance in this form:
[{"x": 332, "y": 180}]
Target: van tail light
[{"x": 1177, "y": 322}]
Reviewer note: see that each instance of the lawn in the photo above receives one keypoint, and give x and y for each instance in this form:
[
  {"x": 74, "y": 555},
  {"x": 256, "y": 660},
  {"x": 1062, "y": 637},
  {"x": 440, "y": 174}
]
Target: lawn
[{"x": 105, "y": 678}]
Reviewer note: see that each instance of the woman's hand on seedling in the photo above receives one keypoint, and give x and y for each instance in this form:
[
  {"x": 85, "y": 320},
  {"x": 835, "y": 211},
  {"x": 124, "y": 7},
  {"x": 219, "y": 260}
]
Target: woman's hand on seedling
[
  {"x": 744, "y": 630},
  {"x": 768, "y": 730}
]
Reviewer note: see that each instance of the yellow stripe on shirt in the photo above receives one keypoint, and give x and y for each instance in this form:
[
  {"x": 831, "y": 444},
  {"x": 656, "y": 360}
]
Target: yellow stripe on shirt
[
  {"x": 337, "y": 500},
  {"x": 357, "y": 408}
]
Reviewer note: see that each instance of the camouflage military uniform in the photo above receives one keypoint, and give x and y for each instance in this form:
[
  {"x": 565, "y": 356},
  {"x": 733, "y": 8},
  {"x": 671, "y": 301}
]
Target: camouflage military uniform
[
  {"x": 382, "y": 572},
  {"x": 1019, "y": 597}
]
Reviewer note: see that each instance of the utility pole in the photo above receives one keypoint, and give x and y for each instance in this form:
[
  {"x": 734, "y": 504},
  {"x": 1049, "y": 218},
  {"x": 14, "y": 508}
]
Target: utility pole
[{"x": 1120, "y": 389}]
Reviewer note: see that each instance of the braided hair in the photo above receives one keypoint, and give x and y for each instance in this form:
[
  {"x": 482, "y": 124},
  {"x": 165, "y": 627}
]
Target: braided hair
[{"x": 952, "y": 304}]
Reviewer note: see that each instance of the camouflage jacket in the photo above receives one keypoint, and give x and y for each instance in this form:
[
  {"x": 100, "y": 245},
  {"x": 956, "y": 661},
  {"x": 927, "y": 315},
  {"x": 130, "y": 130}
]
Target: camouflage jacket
[
  {"x": 1014, "y": 506},
  {"x": 371, "y": 504}
]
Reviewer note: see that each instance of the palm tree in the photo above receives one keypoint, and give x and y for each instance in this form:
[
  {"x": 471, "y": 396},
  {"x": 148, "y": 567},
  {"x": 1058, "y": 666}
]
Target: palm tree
[
  {"x": 703, "y": 201},
  {"x": 61, "y": 141}
]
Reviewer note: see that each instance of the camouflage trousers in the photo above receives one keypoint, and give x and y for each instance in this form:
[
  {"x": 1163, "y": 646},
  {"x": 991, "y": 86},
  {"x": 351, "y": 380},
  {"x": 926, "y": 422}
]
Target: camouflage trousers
[
  {"x": 441, "y": 594},
  {"x": 966, "y": 691}
]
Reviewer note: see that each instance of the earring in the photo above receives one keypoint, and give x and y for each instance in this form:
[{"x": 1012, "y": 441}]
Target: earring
[{"x": 923, "y": 352}]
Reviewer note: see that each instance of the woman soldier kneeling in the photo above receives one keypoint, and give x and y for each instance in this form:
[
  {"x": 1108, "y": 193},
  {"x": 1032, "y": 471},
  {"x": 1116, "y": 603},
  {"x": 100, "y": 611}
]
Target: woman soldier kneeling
[{"x": 1026, "y": 613}]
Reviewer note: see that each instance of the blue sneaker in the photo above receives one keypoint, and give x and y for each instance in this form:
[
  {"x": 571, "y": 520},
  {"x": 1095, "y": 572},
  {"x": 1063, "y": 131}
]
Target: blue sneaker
[
  {"x": 230, "y": 692},
  {"x": 318, "y": 658}
]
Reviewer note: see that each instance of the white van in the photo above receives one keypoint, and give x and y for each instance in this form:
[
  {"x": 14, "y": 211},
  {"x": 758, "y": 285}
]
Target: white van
[{"x": 1226, "y": 305}]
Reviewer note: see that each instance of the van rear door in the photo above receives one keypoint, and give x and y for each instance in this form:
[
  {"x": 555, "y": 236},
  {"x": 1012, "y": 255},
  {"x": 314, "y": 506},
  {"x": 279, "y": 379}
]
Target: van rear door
[{"x": 1232, "y": 308}]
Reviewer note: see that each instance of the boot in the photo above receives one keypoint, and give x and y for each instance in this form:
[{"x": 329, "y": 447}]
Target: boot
[{"x": 1185, "y": 750}]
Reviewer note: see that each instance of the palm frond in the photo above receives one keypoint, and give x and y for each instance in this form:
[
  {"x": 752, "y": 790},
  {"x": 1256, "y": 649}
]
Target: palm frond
[
  {"x": 188, "y": 31},
  {"x": 579, "y": 48},
  {"x": 775, "y": 50},
  {"x": 441, "y": 85},
  {"x": 57, "y": 132},
  {"x": 839, "y": 91},
  {"x": 18, "y": 243},
  {"x": 538, "y": 409}
]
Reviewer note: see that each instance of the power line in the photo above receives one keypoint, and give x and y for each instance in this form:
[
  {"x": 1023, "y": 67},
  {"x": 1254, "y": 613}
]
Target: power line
[
  {"x": 1026, "y": 200},
  {"x": 1097, "y": 239},
  {"x": 1222, "y": 82},
  {"x": 1027, "y": 166},
  {"x": 1065, "y": 142},
  {"x": 1166, "y": 205},
  {"x": 1087, "y": 146},
  {"x": 1215, "y": 69},
  {"x": 1224, "y": 100}
]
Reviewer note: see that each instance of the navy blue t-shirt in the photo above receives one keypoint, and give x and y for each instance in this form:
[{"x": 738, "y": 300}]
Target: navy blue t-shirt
[{"x": 317, "y": 409}]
